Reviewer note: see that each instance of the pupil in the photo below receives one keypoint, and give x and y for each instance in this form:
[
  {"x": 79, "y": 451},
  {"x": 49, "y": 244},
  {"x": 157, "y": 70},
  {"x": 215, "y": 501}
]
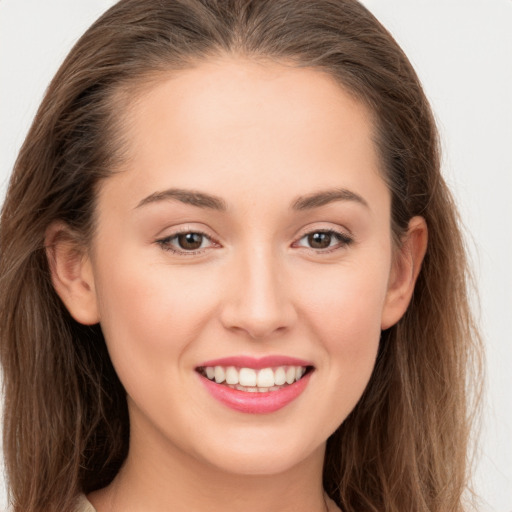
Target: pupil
[
  {"x": 190, "y": 241},
  {"x": 319, "y": 240}
]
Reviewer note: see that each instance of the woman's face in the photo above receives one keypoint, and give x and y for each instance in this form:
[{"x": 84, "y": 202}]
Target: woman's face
[{"x": 246, "y": 237}]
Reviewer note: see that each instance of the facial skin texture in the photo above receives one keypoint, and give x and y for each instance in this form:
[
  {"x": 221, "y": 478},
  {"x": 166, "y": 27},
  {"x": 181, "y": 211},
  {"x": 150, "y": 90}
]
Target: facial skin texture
[{"x": 258, "y": 136}]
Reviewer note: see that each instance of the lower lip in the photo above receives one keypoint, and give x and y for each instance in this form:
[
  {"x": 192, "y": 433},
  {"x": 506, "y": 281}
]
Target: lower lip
[{"x": 256, "y": 402}]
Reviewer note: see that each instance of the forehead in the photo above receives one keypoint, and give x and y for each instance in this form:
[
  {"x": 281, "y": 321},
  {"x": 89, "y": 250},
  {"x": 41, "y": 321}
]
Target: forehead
[
  {"x": 243, "y": 93},
  {"x": 235, "y": 118}
]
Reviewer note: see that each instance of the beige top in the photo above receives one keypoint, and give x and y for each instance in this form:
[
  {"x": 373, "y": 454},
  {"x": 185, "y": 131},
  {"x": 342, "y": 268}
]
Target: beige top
[{"x": 83, "y": 505}]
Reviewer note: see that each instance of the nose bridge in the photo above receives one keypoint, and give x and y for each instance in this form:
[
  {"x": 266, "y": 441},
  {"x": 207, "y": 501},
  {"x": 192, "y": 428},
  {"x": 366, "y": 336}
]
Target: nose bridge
[{"x": 259, "y": 303}]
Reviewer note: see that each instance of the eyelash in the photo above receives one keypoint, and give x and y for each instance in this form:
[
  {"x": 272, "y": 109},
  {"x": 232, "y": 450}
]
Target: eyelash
[
  {"x": 343, "y": 239},
  {"x": 165, "y": 243}
]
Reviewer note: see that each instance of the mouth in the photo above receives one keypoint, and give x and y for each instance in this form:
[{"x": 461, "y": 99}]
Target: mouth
[
  {"x": 252, "y": 380},
  {"x": 257, "y": 386}
]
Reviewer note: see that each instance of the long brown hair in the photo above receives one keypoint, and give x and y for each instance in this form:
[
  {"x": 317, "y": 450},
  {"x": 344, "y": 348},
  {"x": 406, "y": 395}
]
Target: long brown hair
[{"x": 66, "y": 431}]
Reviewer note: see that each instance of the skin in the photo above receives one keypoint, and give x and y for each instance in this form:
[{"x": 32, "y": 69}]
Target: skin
[{"x": 258, "y": 136}]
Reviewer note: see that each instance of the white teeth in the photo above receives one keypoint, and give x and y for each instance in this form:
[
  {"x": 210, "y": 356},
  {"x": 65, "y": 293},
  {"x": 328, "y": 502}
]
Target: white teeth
[
  {"x": 247, "y": 377},
  {"x": 251, "y": 380},
  {"x": 231, "y": 375},
  {"x": 279, "y": 376},
  {"x": 243, "y": 388},
  {"x": 220, "y": 375},
  {"x": 265, "y": 378},
  {"x": 290, "y": 375}
]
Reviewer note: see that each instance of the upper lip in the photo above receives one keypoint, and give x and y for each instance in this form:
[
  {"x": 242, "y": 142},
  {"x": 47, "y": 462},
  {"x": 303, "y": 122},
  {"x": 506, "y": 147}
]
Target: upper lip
[{"x": 257, "y": 363}]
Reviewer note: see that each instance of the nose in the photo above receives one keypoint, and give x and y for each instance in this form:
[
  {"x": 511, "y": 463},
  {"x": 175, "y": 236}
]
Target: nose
[{"x": 259, "y": 298}]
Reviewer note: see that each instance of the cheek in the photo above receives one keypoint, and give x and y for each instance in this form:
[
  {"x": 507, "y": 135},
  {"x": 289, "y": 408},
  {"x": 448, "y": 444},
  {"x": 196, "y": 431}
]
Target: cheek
[
  {"x": 346, "y": 314},
  {"x": 151, "y": 312},
  {"x": 350, "y": 336},
  {"x": 346, "y": 304}
]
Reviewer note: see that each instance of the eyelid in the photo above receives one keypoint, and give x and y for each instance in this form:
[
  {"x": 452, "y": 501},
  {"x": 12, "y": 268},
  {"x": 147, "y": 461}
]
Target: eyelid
[
  {"x": 344, "y": 237},
  {"x": 165, "y": 241}
]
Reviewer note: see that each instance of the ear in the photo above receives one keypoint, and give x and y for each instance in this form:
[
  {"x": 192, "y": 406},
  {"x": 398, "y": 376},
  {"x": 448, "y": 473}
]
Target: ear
[
  {"x": 404, "y": 272},
  {"x": 72, "y": 273}
]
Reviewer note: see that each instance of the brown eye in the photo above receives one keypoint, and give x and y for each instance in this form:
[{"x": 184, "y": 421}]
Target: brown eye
[
  {"x": 324, "y": 241},
  {"x": 190, "y": 241},
  {"x": 187, "y": 243},
  {"x": 319, "y": 240}
]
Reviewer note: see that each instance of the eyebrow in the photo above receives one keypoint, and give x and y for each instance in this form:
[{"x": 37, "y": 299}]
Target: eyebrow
[
  {"x": 324, "y": 197},
  {"x": 203, "y": 200},
  {"x": 192, "y": 197}
]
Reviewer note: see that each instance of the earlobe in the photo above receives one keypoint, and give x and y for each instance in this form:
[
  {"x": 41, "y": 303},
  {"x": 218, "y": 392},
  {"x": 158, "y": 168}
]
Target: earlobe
[
  {"x": 71, "y": 273},
  {"x": 406, "y": 267}
]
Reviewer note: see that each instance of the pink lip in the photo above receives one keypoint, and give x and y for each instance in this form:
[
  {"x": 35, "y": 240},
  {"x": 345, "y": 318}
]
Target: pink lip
[
  {"x": 257, "y": 363},
  {"x": 255, "y": 403}
]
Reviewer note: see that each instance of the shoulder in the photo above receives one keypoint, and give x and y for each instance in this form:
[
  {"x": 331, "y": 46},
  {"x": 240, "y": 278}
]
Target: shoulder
[{"x": 83, "y": 505}]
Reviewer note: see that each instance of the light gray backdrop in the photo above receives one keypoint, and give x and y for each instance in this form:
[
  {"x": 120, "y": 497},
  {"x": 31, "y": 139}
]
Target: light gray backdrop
[{"x": 462, "y": 50}]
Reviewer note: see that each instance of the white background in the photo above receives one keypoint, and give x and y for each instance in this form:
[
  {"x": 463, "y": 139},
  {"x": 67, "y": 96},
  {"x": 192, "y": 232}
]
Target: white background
[{"x": 462, "y": 51}]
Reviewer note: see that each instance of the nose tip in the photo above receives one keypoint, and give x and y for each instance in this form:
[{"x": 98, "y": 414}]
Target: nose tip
[{"x": 259, "y": 303}]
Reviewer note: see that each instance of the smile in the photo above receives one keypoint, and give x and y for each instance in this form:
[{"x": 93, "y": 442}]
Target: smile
[
  {"x": 252, "y": 380},
  {"x": 256, "y": 386}
]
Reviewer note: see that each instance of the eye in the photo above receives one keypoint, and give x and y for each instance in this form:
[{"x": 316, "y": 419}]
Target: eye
[
  {"x": 187, "y": 242},
  {"x": 324, "y": 239}
]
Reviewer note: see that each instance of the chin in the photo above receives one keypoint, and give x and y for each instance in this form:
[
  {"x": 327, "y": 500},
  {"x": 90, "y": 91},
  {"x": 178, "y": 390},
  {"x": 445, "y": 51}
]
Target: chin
[{"x": 260, "y": 455}]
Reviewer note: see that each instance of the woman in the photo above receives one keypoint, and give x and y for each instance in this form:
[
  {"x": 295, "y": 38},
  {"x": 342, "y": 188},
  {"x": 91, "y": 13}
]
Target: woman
[{"x": 232, "y": 275}]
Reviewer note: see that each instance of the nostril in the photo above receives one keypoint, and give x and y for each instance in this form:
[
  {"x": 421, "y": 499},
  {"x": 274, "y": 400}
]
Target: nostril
[
  {"x": 258, "y": 324},
  {"x": 258, "y": 331}
]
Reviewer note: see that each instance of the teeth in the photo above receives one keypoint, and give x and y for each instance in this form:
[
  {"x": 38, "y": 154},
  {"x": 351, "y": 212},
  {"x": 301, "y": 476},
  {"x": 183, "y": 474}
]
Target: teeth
[
  {"x": 251, "y": 380},
  {"x": 220, "y": 374},
  {"x": 231, "y": 375},
  {"x": 266, "y": 378},
  {"x": 247, "y": 377},
  {"x": 279, "y": 376}
]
